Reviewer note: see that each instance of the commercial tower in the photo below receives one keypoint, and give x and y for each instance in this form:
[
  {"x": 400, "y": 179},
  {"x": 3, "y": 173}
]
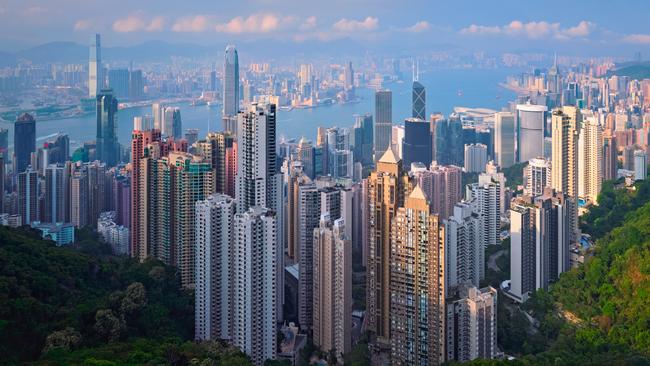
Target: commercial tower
[
  {"x": 383, "y": 121},
  {"x": 24, "y": 141},
  {"x": 214, "y": 265},
  {"x": 388, "y": 186},
  {"x": 230, "y": 89},
  {"x": 417, "y": 284},
  {"x": 531, "y": 124},
  {"x": 419, "y": 101},
  {"x": 564, "y": 164},
  {"x": 332, "y": 300},
  {"x": 363, "y": 139},
  {"x": 416, "y": 146},
  {"x": 172, "y": 125},
  {"x": 95, "y": 69},
  {"x": 108, "y": 149},
  {"x": 504, "y": 139},
  {"x": 255, "y": 284}
]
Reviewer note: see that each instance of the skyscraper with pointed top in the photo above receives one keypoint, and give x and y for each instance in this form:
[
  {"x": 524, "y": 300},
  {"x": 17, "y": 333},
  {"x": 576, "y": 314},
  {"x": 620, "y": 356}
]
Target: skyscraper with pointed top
[
  {"x": 419, "y": 95},
  {"x": 230, "y": 89}
]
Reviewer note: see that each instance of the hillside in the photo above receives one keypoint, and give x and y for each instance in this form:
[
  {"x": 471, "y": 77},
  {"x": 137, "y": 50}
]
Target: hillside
[
  {"x": 63, "y": 305},
  {"x": 637, "y": 71}
]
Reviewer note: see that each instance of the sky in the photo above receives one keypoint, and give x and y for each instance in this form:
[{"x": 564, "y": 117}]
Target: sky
[{"x": 596, "y": 27}]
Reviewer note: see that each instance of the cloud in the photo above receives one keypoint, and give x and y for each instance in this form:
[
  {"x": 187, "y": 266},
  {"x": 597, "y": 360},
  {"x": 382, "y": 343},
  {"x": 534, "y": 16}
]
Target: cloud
[
  {"x": 533, "y": 30},
  {"x": 256, "y": 23},
  {"x": 418, "y": 27},
  {"x": 347, "y": 26},
  {"x": 82, "y": 25},
  {"x": 137, "y": 22},
  {"x": 637, "y": 38},
  {"x": 196, "y": 23},
  {"x": 35, "y": 10},
  {"x": 308, "y": 23}
]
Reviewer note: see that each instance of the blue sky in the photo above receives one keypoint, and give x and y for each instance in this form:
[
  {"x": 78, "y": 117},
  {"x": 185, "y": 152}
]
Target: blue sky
[{"x": 596, "y": 26}]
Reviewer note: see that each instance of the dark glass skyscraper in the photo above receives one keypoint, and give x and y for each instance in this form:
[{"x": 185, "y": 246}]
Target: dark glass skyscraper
[
  {"x": 24, "y": 141},
  {"x": 383, "y": 121},
  {"x": 419, "y": 100},
  {"x": 363, "y": 139},
  {"x": 107, "y": 146},
  {"x": 417, "y": 142}
]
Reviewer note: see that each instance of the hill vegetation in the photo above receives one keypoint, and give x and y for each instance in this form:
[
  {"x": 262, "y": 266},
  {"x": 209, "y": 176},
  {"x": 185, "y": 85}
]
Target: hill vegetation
[{"x": 81, "y": 305}]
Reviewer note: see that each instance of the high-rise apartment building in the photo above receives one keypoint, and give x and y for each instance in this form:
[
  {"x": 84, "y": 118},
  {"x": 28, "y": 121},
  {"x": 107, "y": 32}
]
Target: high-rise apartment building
[
  {"x": 564, "y": 164},
  {"x": 590, "y": 160},
  {"x": 539, "y": 241},
  {"x": 472, "y": 324},
  {"x": 464, "y": 246},
  {"x": 383, "y": 121},
  {"x": 640, "y": 165},
  {"x": 537, "y": 176},
  {"x": 57, "y": 194},
  {"x": 504, "y": 139},
  {"x": 610, "y": 156},
  {"x": 486, "y": 197},
  {"x": 24, "y": 141},
  {"x": 215, "y": 261},
  {"x": 255, "y": 284},
  {"x": 388, "y": 186},
  {"x": 220, "y": 149},
  {"x": 108, "y": 149},
  {"x": 28, "y": 195},
  {"x": 308, "y": 219},
  {"x": 417, "y": 284},
  {"x": 442, "y": 186},
  {"x": 79, "y": 198},
  {"x": 332, "y": 288}
]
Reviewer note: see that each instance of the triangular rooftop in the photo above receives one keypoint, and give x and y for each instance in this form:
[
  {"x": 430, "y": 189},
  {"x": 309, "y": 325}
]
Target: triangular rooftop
[
  {"x": 418, "y": 193},
  {"x": 389, "y": 157}
]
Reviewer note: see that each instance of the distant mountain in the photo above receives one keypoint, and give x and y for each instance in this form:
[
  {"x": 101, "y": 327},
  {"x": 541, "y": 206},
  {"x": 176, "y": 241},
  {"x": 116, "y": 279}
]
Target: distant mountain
[
  {"x": 64, "y": 52},
  {"x": 634, "y": 70}
]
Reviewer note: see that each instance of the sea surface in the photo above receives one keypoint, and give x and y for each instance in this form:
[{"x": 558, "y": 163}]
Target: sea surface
[{"x": 445, "y": 89}]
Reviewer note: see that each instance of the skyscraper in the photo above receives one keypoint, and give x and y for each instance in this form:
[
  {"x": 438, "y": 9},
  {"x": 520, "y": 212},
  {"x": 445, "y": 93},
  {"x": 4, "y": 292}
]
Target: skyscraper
[
  {"x": 531, "y": 124},
  {"x": 309, "y": 211},
  {"x": 417, "y": 284},
  {"x": 24, "y": 142},
  {"x": 419, "y": 101},
  {"x": 108, "y": 149},
  {"x": 383, "y": 121},
  {"x": 118, "y": 81},
  {"x": 172, "y": 125},
  {"x": 610, "y": 156},
  {"x": 363, "y": 139},
  {"x": 230, "y": 87},
  {"x": 214, "y": 264},
  {"x": 504, "y": 139},
  {"x": 332, "y": 300},
  {"x": 79, "y": 198},
  {"x": 416, "y": 146},
  {"x": 442, "y": 186},
  {"x": 95, "y": 69},
  {"x": 640, "y": 165},
  {"x": 486, "y": 198},
  {"x": 388, "y": 186},
  {"x": 475, "y": 158},
  {"x": 255, "y": 284}
]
